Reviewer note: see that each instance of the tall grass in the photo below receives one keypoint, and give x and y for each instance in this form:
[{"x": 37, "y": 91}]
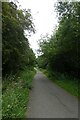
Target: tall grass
[
  {"x": 16, "y": 94},
  {"x": 68, "y": 83}
]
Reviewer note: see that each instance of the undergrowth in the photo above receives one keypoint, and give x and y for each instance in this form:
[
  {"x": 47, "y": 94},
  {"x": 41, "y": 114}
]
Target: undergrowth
[
  {"x": 66, "y": 82},
  {"x": 15, "y": 94}
]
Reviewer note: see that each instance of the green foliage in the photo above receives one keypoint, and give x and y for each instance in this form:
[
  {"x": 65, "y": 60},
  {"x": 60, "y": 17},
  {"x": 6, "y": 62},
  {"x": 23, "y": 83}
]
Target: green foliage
[
  {"x": 70, "y": 84},
  {"x": 62, "y": 51},
  {"x": 16, "y": 95},
  {"x": 41, "y": 62},
  {"x": 16, "y": 51},
  {"x": 17, "y": 57}
]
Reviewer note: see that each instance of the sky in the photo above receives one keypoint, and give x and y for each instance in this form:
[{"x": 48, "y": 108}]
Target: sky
[{"x": 44, "y": 19}]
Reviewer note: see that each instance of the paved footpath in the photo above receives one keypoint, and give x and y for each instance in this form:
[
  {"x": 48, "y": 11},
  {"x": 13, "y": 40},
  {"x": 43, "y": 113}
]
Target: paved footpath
[{"x": 47, "y": 100}]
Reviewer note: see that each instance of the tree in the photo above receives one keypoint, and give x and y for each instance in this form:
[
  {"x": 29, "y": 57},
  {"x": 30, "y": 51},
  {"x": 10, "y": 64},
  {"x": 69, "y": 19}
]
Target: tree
[
  {"x": 16, "y": 51},
  {"x": 62, "y": 50}
]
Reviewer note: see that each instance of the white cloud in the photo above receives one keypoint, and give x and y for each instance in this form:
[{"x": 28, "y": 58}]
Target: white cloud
[{"x": 44, "y": 18}]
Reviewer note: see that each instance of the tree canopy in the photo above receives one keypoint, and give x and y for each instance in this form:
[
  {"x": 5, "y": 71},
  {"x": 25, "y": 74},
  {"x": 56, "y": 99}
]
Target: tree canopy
[
  {"x": 61, "y": 52},
  {"x": 16, "y": 52}
]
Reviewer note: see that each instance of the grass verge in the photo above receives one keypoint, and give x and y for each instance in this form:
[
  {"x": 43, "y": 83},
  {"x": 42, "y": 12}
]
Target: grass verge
[
  {"x": 16, "y": 94},
  {"x": 66, "y": 82}
]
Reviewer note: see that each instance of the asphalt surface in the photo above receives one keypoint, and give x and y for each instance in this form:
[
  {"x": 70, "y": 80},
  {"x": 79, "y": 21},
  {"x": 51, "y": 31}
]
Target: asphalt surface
[{"x": 47, "y": 100}]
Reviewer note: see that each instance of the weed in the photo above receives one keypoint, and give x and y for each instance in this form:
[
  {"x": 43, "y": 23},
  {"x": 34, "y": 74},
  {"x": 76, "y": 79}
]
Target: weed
[
  {"x": 66, "y": 82},
  {"x": 16, "y": 94}
]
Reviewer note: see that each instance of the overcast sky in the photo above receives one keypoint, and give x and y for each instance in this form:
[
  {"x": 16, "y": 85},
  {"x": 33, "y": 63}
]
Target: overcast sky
[{"x": 44, "y": 18}]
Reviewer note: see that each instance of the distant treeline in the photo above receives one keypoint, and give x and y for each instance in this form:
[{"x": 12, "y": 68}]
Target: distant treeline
[
  {"x": 61, "y": 52},
  {"x": 16, "y": 53}
]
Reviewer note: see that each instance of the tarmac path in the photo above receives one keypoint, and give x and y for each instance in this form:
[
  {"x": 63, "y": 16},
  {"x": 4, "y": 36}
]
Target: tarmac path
[{"x": 47, "y": 100}]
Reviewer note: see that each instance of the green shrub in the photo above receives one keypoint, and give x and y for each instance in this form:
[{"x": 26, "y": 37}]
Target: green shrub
[{"x": 16, "y": 95}]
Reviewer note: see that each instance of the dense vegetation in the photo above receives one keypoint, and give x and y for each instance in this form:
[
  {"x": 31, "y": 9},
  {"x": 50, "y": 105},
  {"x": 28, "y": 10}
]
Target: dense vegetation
[
  {"x": 18, "y": 60},
  {"x": 16, "y": 94},
  {"x": 61, "y": 52},
  {"x": 16, "y": 52}
]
